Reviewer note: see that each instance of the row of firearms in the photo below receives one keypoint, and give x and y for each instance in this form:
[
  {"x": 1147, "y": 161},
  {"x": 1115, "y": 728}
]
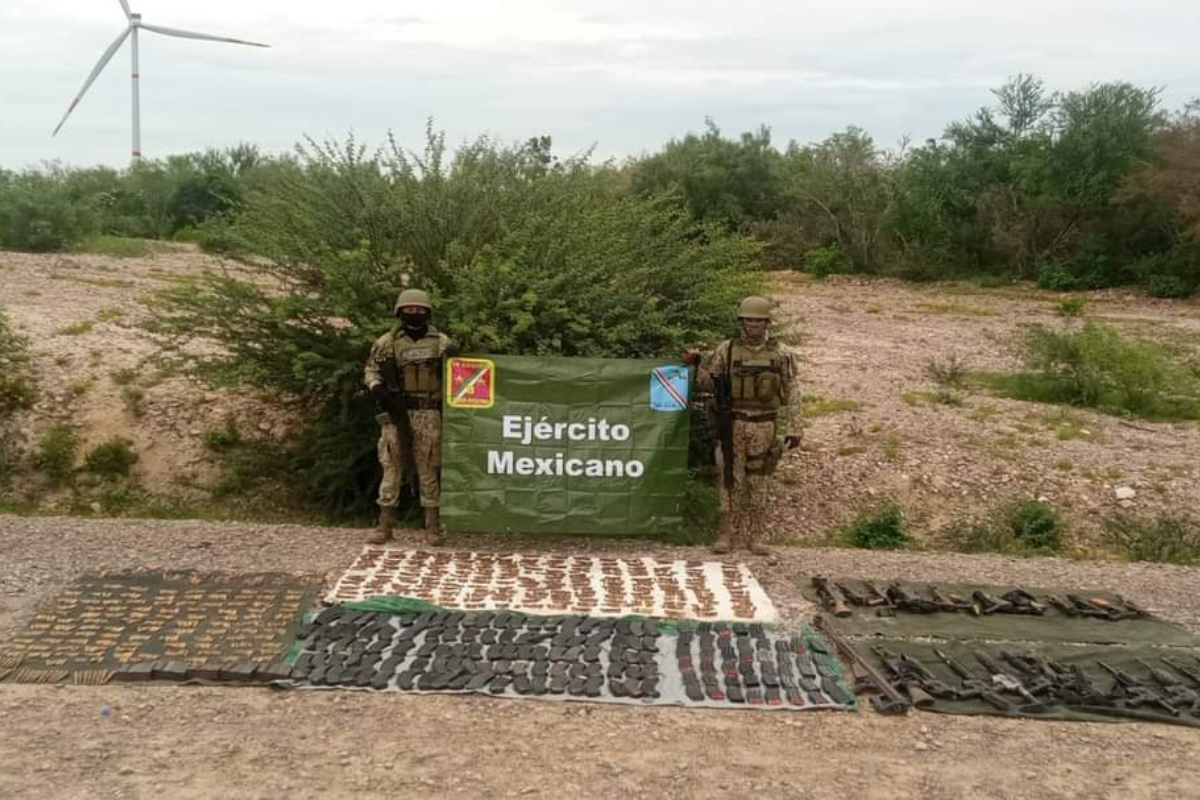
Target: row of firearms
[
  {"x": 838, "y": 597},
  {"x": 1029, "y": 683}
]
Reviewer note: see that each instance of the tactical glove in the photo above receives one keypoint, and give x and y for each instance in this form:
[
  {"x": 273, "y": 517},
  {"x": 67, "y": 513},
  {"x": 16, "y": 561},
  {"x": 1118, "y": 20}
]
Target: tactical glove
[{"x": 379, "y": 393}]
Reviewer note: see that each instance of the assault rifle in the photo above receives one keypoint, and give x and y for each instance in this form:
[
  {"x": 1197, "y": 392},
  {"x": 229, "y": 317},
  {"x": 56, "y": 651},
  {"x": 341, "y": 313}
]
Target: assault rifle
[
  {"x": 900, "y": 598},
  {"x": 831, "y": 596},
  {"x": 1183, "y": 669},
  {"x": 396, "y": 407},
  {"x": 889, "y": 701},
  {"x": 1174, "y": 691},
  {"x": 910, "y": 679},
  {"x": 971, "y": 686},
  {"x": 1007, "y": 683},
  {"x": 948, "y": 602},
  {"x": 723, "y": 423},
  {"x": 1133, "y": 694}
]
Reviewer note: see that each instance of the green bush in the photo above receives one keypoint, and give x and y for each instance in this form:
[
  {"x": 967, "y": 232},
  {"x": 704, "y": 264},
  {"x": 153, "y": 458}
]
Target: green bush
[
  {"x": 1171, "y": 538},
  {"x": 55, "y": 454},
  {"x": 111, "y": 459},
  {"x": 38, "y": 215},
  {"x": 881, "y": 530},
  {"x": 223, "y": 438},
  {"x": 17, "y": 390},
  {"x": 1175, "y": 273},
  {"x": 1072, "y": 307},
  {"x": 523, "y": 255},
  {"x": 701, "y": 511},
  {"x": 1023, "y": 527},
  {"x": 826, "y": 261},
  {"x": 1167, "y": 286},
  {"x": 1056, "y": 277},
  {"x": 1098, "y": 368},
  {"x": 1035, "y": 525}
]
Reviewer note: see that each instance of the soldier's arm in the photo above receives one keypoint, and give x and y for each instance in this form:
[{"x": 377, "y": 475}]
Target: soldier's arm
[
  {"x": 371, "y": 374},
  {"x": 711, "y": 368},
  {"x": 449, "y": 347}
]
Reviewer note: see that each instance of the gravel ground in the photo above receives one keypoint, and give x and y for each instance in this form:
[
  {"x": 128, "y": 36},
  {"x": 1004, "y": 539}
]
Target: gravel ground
[{"x": 201, "y": 742}]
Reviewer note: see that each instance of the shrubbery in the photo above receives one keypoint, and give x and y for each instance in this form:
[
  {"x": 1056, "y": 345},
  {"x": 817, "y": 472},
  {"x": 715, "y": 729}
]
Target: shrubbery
[
  {"x": 1021, "y": 527},
  {"x": 523, "y": 255},
  {"x": 1096, "y": 367},
  {"x": 885, "y": 529},
  {"x": 1172, "y": 538}
]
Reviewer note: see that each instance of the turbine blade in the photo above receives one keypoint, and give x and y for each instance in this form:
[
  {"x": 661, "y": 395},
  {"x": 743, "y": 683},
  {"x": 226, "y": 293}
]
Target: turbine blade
[
  {"x": 125, "y": 7},
  {"x": 104, "y": 59},
  {"x": 190, "y": 35}
]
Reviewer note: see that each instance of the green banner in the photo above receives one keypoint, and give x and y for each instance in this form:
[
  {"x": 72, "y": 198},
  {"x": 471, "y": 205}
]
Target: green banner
[{"x": 564, "y": 445}]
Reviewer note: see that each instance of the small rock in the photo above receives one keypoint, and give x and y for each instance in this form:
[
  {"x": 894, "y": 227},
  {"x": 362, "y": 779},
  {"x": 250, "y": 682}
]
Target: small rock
[
  {"x": 264, "y": 426},
  {"x": 1126, "y": 503},
  {"x": 1125, "y": 493},
  {"x": 920, "y": 746},
  {"x": 125, "y": 771}
]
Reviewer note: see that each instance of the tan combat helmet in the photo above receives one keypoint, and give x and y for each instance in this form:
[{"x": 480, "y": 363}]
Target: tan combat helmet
[
  {"x": 413, "y": 297},
  {"x": 755, "y": 307}
]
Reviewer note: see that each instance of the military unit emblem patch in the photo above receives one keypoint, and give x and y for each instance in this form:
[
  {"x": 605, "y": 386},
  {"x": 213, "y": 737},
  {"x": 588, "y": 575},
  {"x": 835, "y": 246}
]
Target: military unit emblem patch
[{"x": 470, "y": 382}]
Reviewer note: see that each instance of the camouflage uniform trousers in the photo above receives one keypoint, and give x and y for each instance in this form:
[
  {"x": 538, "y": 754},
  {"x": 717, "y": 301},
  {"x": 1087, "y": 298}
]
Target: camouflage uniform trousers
[
  {"x": 742, "y": 506},
  {"x": 426, "y": 426}
]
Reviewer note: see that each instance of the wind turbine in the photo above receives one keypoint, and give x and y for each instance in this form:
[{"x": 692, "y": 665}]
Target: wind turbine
[{"x": 131, "y": 32}]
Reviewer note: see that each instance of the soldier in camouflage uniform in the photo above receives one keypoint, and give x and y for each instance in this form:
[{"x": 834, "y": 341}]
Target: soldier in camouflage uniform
[
  {"x": 755, "y": 375},
  {"x": 417, "y": 351}
]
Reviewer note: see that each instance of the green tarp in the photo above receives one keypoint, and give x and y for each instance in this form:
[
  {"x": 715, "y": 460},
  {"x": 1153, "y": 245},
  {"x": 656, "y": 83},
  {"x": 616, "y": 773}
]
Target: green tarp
[
  {"x": 1086, "y": 656},
  {"x": 1053, "y": 626},
  {"x": 564, "y": 445}
]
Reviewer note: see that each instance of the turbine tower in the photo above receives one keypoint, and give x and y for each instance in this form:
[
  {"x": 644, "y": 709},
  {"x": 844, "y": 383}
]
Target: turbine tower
[{"x": 131, "y": 32}]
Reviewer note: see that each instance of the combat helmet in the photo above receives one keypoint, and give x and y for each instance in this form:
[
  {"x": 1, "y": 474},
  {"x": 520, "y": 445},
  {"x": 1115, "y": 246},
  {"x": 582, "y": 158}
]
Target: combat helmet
[
  {"x": 755, "y": 307},
  {"x": 413, "y": 297}
]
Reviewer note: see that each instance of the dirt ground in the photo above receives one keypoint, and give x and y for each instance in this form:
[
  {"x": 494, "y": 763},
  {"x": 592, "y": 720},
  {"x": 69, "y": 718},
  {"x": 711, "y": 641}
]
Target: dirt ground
[
  {"x": 137, "y": 741},
  {"x": 877, "y": 435}
]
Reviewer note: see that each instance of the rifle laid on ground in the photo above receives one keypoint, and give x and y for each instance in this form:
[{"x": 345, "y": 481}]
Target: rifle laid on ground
[
  {"x": 1174, "y": 691},
  {"x": 1132, "y": 693},
  {"x": 1005, "y": 682},
  {"x": 831, "y": 596},
  {"x": 972, "y": 687},
  {"x": 1183, "y": 669},
  {"x": 910, "y": 675},
  {"x": 889, "y": 700}
]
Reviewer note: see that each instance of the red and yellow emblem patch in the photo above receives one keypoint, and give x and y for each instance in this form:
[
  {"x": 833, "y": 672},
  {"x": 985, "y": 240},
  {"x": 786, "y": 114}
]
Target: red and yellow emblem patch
[{"x": 470, "y": 382}]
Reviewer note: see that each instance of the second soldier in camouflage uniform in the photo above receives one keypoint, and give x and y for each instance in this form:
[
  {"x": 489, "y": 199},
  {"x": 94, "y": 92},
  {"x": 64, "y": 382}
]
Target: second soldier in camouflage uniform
[
  {"x": 417, "y": 352},
  {"x": 753, "y": 377}
]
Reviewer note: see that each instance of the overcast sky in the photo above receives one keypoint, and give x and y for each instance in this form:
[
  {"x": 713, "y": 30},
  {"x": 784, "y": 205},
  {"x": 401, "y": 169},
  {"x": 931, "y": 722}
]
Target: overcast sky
[{"x": 622, "y": 75}]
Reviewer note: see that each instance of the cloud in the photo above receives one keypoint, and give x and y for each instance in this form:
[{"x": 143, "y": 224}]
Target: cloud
[{"x": 623, "y": 74}]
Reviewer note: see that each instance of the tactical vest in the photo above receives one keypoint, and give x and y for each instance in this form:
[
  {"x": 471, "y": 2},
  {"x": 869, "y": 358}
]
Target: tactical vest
[
  {"x": 756, "y": 376},
  {"x": 419, "y": 364}
]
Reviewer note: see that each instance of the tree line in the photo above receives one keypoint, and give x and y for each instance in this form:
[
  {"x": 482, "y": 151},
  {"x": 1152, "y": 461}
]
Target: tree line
[{"x": 1080, "y": 189}]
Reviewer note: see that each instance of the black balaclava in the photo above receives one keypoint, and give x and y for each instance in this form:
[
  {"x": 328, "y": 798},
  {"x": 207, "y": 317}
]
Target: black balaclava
[{"x": 415, "y": 325}]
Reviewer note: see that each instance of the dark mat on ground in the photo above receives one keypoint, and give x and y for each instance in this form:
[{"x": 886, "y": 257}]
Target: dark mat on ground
[
  {"x": 180, "y": 625},
  {"x": 951, "y": 614},
  {"x": 1057, "y": 681},
  {"x": 629, "y": 660}
]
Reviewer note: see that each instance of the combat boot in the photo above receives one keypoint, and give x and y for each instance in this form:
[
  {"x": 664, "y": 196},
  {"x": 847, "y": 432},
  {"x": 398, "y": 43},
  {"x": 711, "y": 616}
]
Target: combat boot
[
  {"x": 754, "y": 545},
  {"x": 383, "y": 531},
  {"x": 433, "y": 534},
  {"x": 724, "y": 542}
]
